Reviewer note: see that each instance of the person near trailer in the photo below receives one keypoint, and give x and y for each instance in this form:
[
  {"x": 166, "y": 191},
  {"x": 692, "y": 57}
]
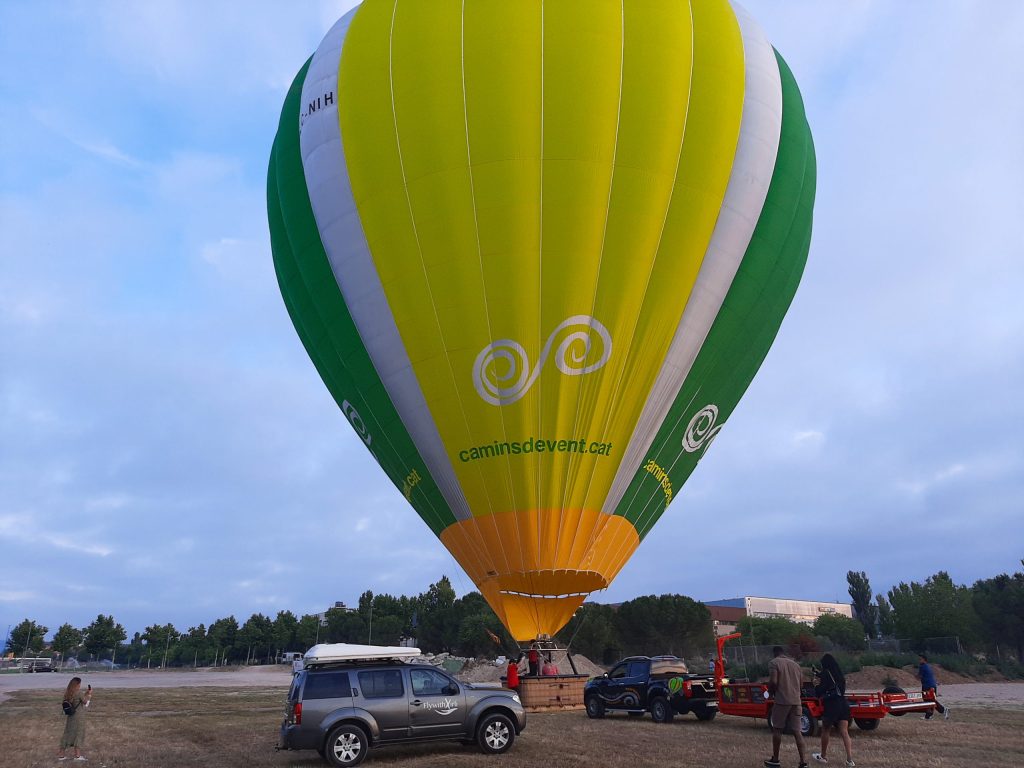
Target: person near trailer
[
  {"x": 784, "y": 682},
  {"x": 929, "y": 686},
  {"x": 831, "y": 689},
  {"x": 74, "y": 705}
]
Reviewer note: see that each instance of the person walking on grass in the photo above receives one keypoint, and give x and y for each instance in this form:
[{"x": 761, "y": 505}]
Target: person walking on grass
[
  {"x": 75, "y": 703},
  {"x": 784, "y": 682},
  {"x": 831, "y": 689},
  {"x": 929, "y": 687}
]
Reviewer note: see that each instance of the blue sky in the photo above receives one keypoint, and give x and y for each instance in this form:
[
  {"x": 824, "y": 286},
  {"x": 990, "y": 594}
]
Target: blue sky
[{"x": 168, "y": 453}]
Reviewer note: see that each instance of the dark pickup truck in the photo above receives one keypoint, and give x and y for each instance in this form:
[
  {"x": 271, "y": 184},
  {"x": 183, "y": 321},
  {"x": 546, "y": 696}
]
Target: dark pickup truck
[{"x": 661, "y": 685}]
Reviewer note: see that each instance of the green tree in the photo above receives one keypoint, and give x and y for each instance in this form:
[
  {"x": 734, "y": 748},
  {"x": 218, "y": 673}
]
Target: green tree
[
  {"x": 999, "y": 604},
  {"x": 886, "y": 619},
  {"x": 285, "y": 626},
  {"x": 667, "y": 624},
  {"x": 437, "y": 628},
  {"x": 937, "y": 608},
  {"x": 345, "y": 626},
  {"x": 478, "y": 625},
  {"x": 223, "y": 634},
  {"x": 193, "y": 647},
  {"x": 257, "y": 635},
  {"x": 776, "y": 630},
  {"x": 844, "y": 632},
  {"x": 66, "y": 641},
  {"x": 307, "y": 632},
  {"x": 26, "y": 639},
  {"x": 103, "y": 636},
  {"x": 159, "y": 641},
  {"x": 591, "y": 631},
  {"x": 860, "y": 595}
]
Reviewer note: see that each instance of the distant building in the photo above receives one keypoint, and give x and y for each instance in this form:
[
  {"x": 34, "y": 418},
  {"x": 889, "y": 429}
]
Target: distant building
[
  {"x": 724, "y": 618},
  {"x": 338, "y": 606},
  {"x": 725, "y": 613}
]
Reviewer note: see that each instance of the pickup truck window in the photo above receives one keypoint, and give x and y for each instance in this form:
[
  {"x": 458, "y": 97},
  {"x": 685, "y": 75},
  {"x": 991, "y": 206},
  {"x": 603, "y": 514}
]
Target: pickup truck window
[
  {"x": 619, "y": 672},
  {"x": 638, "y": 668}
]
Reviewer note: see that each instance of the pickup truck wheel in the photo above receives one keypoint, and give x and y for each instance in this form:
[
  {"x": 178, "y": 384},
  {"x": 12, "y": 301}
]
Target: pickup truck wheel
[
  {"x": 595, "y": 707},
  {"x": 865, "y": 724},
  {"x": 706, "y": 714},
  {"x": 808, "y": 722},
  {"x": 894, "y": 689},
  {"x": 346, "y": 746},
  {"x": 495, "y": 734},
  {"x": 661, "y": 710}
]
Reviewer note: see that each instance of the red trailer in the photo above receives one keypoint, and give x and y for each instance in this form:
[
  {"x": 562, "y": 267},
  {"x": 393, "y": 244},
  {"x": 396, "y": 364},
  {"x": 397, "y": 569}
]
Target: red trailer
[{"x": 867, "y": 708}]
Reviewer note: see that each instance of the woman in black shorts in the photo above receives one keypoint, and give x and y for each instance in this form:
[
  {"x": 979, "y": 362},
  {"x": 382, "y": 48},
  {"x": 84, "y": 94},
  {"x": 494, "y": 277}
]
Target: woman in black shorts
[{"x": 831, "y": 688}]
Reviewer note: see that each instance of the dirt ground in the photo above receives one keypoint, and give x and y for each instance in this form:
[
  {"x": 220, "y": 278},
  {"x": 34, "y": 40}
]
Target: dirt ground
[
  {"x": 193, "y": 726},
  {"x": 276, "y": 676}
]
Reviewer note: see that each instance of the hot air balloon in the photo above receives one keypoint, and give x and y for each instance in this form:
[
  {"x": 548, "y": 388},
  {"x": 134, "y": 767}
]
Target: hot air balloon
[{"x": 537, "y": 252}]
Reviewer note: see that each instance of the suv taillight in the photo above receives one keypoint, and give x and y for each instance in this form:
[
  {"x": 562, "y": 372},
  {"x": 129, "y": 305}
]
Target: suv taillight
[
  {"x": 688, "y": 688},
  {"x": 297, "y": 713}
]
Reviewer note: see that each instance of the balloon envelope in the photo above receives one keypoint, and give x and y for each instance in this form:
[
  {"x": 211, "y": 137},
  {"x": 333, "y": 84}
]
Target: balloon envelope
[{"x": 537, "y": 251}]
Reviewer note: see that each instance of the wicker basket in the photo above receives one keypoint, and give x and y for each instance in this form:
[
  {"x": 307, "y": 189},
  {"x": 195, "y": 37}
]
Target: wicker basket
[{"x": 551, "y": 693}]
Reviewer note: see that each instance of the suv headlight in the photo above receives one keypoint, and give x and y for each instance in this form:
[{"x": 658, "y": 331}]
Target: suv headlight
[{"x": 515, "y": 698}]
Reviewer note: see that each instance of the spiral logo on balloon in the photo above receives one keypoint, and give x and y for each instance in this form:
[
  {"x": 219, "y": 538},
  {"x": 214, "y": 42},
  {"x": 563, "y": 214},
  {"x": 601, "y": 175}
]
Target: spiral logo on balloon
[
  {"x": 502, "y": 372},
  {"x": 702, "y": 429},
  {"x": 356, "y": 421}
]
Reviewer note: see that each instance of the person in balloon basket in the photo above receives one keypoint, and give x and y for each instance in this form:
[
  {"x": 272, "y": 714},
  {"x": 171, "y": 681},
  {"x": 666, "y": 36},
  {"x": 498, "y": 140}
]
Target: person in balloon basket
[
  {"x": 929, "y": 686},
  {"x": 74, "y": 705},
  {"x": 549, "y": 667},
  {"x": 784, "y": 682},
  {"x": 831, "y": 689},
  {"x": 533, "y": 661}
]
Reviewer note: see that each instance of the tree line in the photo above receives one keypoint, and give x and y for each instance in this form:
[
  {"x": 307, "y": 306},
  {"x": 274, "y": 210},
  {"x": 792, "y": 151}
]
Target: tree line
[{"x": 987, "y": 616}]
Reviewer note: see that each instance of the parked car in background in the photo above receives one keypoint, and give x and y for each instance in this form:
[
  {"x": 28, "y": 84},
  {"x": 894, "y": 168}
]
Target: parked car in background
[{"x": 661, "y": 685}]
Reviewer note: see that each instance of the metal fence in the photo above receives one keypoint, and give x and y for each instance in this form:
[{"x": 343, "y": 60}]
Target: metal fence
[{"x": 933, "y": 645}]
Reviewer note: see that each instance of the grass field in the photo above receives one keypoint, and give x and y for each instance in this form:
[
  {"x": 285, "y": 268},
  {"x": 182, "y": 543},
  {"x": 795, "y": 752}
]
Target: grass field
[{"x": 229, "y": 728}]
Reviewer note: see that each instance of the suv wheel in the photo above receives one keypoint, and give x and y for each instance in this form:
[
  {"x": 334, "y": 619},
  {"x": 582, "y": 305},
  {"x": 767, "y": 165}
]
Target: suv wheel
[
  {"x": 346, "y": 746},
  {"x": 595, "y": 707},
  {"x": 661, "y": 710},
  {"x": 495, "y": 734}
]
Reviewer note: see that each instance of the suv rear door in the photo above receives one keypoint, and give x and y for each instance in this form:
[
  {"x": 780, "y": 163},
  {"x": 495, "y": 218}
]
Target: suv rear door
[
  {"x": 323, "y": 692},
  {"x": 437, "y": 704},
  {"x": 382, "y": 692}
]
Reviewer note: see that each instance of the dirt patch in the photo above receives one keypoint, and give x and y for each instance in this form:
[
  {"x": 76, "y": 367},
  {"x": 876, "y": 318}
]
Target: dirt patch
[
  {"x": 873, "y": 678},
  {"x": 200, "y": 727}
]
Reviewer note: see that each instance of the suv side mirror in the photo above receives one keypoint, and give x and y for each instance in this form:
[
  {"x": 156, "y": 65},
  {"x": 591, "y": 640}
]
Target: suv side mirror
[{"x": 450, "y": 690}]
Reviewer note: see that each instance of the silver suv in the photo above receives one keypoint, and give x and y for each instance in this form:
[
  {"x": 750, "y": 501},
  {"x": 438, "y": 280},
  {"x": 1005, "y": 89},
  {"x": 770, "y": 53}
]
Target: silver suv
[{"x": 343, "y": 708}]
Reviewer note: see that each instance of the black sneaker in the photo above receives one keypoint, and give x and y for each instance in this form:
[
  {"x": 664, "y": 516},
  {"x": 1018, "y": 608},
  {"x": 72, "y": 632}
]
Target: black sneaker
[{"x": 772, "y": 763}]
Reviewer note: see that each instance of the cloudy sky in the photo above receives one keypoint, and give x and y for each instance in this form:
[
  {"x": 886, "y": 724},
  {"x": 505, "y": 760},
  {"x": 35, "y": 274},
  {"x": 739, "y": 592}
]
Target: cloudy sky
[{"x": 168, "y": 452}]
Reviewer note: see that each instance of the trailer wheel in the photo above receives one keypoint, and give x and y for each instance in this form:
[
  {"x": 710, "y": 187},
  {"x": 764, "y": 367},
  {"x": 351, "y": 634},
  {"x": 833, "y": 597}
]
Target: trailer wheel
[
  {"x": 895, "y": 689},
  {"x": 808, "y": 722},
  {"x": 865, "y": 724},
  {"x": 705, "y": 714}
]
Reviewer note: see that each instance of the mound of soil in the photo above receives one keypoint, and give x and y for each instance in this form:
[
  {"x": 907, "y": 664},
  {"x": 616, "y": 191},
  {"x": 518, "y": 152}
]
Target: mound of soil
[{"x": 875, "y": 678}]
